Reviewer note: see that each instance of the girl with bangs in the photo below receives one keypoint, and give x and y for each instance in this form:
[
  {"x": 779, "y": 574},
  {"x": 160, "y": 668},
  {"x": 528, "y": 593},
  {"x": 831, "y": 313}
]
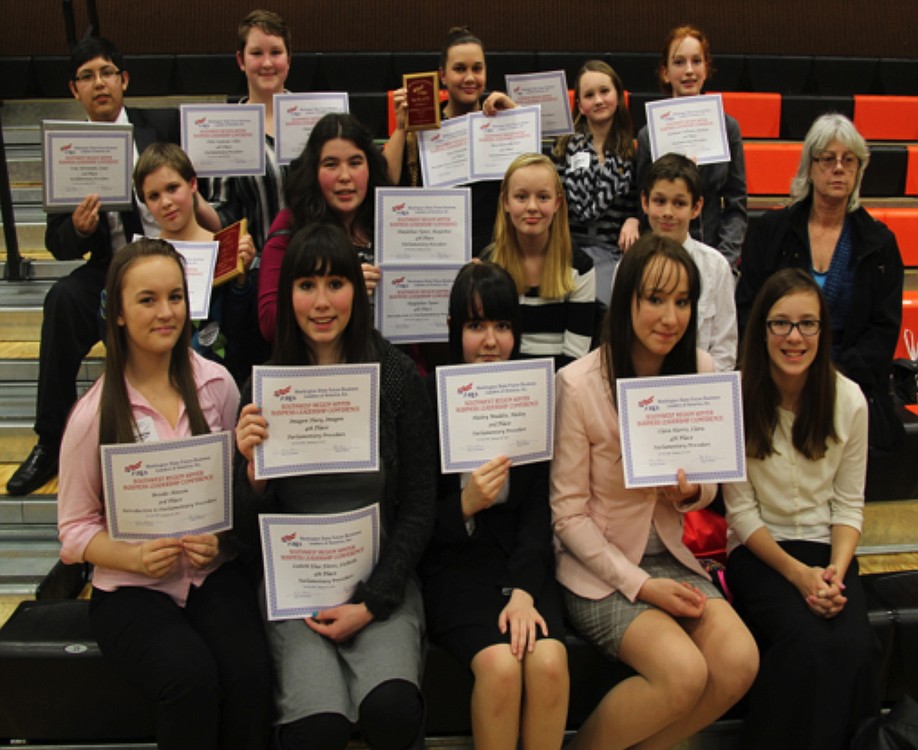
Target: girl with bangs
[
  {"x": 175, "y": 616},
  {"x": 489, "y": 590},
  {"x": 555, "y": 281},
  {"x": 359, "y": 664},
  {"x": 630, "y": 585},
  {"x": 596, "y": 164}
]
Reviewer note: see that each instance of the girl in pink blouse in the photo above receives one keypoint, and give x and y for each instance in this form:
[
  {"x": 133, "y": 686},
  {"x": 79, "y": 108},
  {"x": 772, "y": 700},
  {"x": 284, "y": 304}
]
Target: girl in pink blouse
[{"x": 175, "y": 617}]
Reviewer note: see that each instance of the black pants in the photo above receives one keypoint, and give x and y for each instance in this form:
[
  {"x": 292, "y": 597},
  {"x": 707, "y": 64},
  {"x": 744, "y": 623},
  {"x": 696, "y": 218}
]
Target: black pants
[
  {"x": 70, "y": 328},
  {"x": 816, "y": 680},
  {"x": 205, "y": 664}
]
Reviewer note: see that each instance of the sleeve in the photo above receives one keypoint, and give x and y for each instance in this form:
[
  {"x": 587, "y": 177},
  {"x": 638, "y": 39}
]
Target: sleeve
[
  {"x": 64, "y": 243},
  {"x": 742, "y": 509},
  {"x": 758, "y": 262},
  {"x": 269, "y": 272},
  {"x": 642, "y": 162},
  {"x": 846, "y": 506},
  {"x": 530, "y": 564},
  {"x": 579, "y": 313},
  {"x": 80, "y": 507},
  {"x": 733, "y": 215},
  {"x": 871, "y": 355},
  {"x": 571, "y": 492},
  {"x": 413, "y": 515},
  {"x": 723, "y": 347}
]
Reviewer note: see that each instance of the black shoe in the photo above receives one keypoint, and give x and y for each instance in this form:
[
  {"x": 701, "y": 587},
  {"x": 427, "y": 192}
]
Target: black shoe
[{"x": 38, "y": 468}]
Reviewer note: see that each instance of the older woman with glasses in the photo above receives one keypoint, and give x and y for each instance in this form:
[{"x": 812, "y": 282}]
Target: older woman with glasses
[{"x": 852, "y": 257}]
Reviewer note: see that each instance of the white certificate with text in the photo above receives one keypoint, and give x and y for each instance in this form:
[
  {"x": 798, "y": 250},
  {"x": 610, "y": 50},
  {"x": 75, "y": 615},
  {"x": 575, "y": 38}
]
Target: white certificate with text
[
  {"x": 87, "y": 158},
  {"x": 693, "y": 126},
  {"x": 200, "y": 262},
  {"x": 689, "y": 422},
  {"x": 444, "y": 153},
  {"x": 412, "y": 302},
  {"x": 496, "y": 141},
  {"x": 549, "y": 91},
  {"x": 315, "y": 561},
  {"x": 170, "y": 488},
  {"x": 423, "y": 226},
  {"x": 493, "y": 409},
  {"x": 295, "y": 115},
  {"x": 321, "y": 419},
  {"x": 224, "y": 140}
]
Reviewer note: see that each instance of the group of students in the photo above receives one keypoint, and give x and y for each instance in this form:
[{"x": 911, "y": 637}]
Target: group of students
[{"x": 493, "y": 563}]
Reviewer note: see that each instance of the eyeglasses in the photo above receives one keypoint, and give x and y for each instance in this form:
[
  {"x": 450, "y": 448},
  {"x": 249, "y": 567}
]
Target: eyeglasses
[
  {"x": 784, "y": 327},
  {"x": 88, "y": 77},
  {"x": 828, "y": 161}
]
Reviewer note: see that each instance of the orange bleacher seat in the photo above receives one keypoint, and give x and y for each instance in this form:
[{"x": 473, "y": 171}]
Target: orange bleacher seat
[
  {"x": 886, "y": 118},
  {"x": 758, "y": 113},
  {"x": 903, "y": 222},
  {"x": 770, "y": 167},
  {"x": 911, "y": 174}
]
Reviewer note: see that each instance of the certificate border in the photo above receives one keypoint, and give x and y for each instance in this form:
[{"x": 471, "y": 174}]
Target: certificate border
[
  {"x": 108, "y": 451},
  {"x": 266, "y": 521},
  {"x": 280, "y": 100},
  {"x": 721, "y": 158},
  {"x": 547, "y": 75},
  {"x": 50, "y": 136},
  {"x": 449, "y": 466},
  {"x": 265, "y": 372},
  {"x": 414, "y": 338},
  {"x": 519, "y": 112},
  {"x": 193, "y": 110},
  {"x": 408, "y": 193},
  {"x": 450, "y": 124},
  {"x": 668, "y": 382}
]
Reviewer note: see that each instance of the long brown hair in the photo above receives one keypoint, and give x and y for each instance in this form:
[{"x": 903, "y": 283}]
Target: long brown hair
[
  {"x": 814, "y": 424},
  {"x": 116, "y": 418},
  {"x": 620, "y": 138}
]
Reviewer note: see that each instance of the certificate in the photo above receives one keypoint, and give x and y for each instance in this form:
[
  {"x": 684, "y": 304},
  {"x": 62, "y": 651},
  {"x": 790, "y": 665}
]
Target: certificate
[
  {"x": 322, "y": 419},
  {"x": 494, "y": 409},
  {"x": 496, "y": 141},
  {"x": 423, "y": 91},
  {"x": 690, "y": 422},
  {"x": 295, "y": 115},
  {"x": 224, "y": 140},
  {"x": 171, "y": 488},
  {"x": 412, "y": 302},
  {"x": 549, "y": 91},
  {"x": 444, "y": 153},
  {"x": 423, "y": 226},
  {"x": 314, "y": 562},
  {"x": 87, "y": 158},
  {"x": 691, "y": 125},
  {"x": 200, "y": 261}
]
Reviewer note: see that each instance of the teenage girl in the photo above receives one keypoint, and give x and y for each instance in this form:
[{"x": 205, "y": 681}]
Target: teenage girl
[
  {"x": 175, "y": 616},
  {"x": 556, "y": 282},
  {"x": 597, "y": 167},
  {"x": 630, "y": 585}
]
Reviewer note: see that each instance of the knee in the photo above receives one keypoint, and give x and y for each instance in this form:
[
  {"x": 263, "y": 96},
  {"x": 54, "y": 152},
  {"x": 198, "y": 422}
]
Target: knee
[
  {"x": 546, "y": 667},
  {"x": 684, "y": 681},
  {"x": 63, "y": 297},
  {"x": 192, "y": 678},
  {"x": 392, "y": 715},
  {"x": 736, "y": 665},
  {"x": 498, "y": 672}
]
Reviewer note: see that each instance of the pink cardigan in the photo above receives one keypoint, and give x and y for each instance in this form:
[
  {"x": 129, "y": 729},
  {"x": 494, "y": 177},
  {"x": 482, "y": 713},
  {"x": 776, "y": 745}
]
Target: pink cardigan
[
  {"x": 601, "y": 528},
  {"x": 272, "y": 256}
]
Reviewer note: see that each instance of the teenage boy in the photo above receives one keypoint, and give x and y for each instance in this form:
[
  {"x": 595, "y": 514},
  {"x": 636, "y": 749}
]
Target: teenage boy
[
  {"x": 671, "y": 197},
  {"x": 71, "y": 324}
]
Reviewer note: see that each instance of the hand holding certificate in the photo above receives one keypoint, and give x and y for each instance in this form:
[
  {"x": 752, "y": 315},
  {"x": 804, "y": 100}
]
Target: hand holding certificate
[
  {"x": 170, "y": 488},
  {"x": 689, "y": 422},
  {"x": 314, "y": 562},
  {"x": 495, "y": 409}
]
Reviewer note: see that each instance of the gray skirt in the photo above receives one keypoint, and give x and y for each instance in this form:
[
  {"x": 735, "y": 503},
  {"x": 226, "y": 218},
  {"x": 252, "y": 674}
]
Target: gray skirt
[
  {"x": 604, "y": 621},
  {"x": 316, "y": 675}
]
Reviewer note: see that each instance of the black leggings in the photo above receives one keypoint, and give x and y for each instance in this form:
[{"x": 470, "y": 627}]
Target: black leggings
[{"x": 391, "y": 717}]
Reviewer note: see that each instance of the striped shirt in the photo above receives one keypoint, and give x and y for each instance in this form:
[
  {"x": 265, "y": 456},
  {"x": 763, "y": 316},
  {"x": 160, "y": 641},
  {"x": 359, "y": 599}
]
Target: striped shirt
[{"x": 599, "y": 196}]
